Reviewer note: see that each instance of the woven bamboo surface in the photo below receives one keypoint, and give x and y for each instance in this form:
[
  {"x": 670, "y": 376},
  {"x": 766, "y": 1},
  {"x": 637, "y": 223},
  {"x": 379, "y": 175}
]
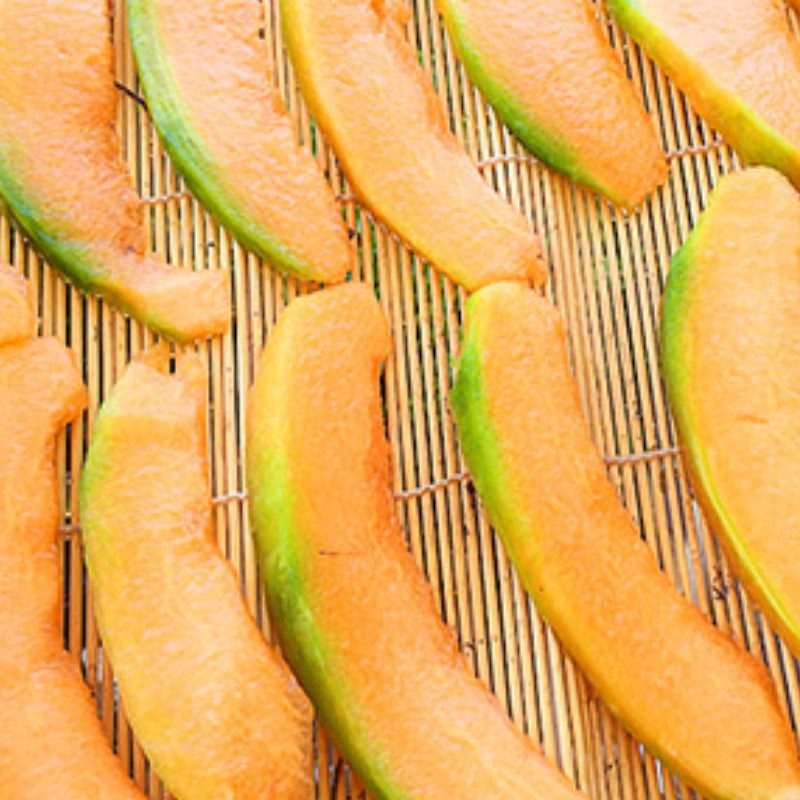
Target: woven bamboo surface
[{"x": 607, "y": 271}]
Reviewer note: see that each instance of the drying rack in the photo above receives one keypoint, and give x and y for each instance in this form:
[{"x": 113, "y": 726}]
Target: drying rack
[{"x": 607, "y": 272}]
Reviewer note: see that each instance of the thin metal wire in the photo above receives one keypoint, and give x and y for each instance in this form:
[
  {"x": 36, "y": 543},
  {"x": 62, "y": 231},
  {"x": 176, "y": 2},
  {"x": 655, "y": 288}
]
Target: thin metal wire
[
  {"x": 182, "y": 194},
  {"x": 419, "y": 491},
  {"x": 434, "y": 486},
  {"x": 638, "y": 458},
  {"x": 486, "y": 163}
]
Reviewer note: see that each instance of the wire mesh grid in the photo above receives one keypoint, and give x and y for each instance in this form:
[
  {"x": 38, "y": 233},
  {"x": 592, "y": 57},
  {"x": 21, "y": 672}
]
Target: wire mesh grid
[{"x": 606, "y": 273}]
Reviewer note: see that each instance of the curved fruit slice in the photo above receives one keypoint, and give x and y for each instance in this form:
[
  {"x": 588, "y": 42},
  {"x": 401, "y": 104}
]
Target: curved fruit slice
[
  {"x": 206, "y": 77},
  {"x": 731, "y": 360},
  {"x": 738, "y": 64},
  {"x": 51, "y": 743},
  {"x": 161, "y": 586},
  {"x": 16, "y": 314},
  {"x": 64, "y": 181},
  {"x": 382, "y": 669},
  {"x": 701, "y": 704},
  {"x": 552, "y": 77},
  {"x": 377, "y": 108}
]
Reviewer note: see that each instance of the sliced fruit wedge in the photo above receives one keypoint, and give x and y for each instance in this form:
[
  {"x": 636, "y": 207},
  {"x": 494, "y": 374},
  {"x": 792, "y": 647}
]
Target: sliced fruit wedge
[
  {"x": 551, "y": 75},
  {"x": 51, "y": 742},
  {"x": 738, "y": 64},
  {"x": 215, "y": 709},
  {"x": 354, "y": 615},
  {"x": 207, "y": 80},
  {"x": 64, "y": 181},
  {"x": 696, "y": 700},
  {"x": 730, "y": 339},
  {"x": 376, "y": 106}
]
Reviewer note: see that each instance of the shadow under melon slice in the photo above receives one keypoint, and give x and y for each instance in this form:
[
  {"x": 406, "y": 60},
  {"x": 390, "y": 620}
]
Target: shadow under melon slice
[
  {"x": 377, "y": 109},
  {"x": 216, "y": 711},
  {"x": 547, "y": 69},
  {"x": 739, "y": 65},
  {"x": 730, "y": 342},
  {"x": 354, "y": 616},
  {"x": 62, "y": 178},
  {"x": 51, "y": 742},
  {"x": 700, "y": 703},
  {"x": 207, "y": 80}
]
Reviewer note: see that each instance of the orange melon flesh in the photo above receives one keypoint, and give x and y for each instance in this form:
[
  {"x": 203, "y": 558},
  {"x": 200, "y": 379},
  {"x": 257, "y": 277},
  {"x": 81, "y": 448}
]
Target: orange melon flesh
[
  {"x": 355, "y": 617},
  {"x": 208, "y": 85},
  {"x": 216, "y": 711},
  {"x": 738, "y": 64},
  {"x": 731, "y": 359},
  {"x": 553, "y": 78},
  {"x": 377, "y": 109},
  {"x": 692, "y": 696},
  {"x": 64, "y": 182},
  {"x": 17, "y": 320},
  {"x": 51, "y": 743}
]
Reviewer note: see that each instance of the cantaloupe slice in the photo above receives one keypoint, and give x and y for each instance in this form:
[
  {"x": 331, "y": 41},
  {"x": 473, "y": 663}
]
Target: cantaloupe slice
[
  {"x": 731, "y": 360},
  {"x": 216, "y": 710},
  {"x": 207, "y": 80},
  {"x": 355, "y": 617},
  {"x": 696, "y": 700},
  {"x": 738, "y": 64},
  {"x": 376, "y": 106},
  {"x": 62, "y": 178},
  {"x": 17, "y": 320},
  {"x": 51, "y": 743},
  {"x": 556, "y": 82}
]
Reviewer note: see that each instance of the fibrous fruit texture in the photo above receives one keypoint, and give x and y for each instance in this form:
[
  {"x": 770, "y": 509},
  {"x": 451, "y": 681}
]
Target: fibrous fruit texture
[
  {"x": 737, "y": 62},
  {"x": 206, "y": 76},
  {"x": 354, "y": 616},
  {"x": 62, "y": 177},
  {"x": 51, "y": 742},
  {"x": 215, "y": 709},
  {"x": 696, "y": 700},
  {"x": 378, "y": 110},
  {"x": 549, "y": 72},
  {"x": 730, "y": 339}
]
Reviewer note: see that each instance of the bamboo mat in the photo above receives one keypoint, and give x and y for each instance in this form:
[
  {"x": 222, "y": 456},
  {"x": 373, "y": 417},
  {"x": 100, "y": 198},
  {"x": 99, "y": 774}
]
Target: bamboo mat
[{"x": 607, "y": 271}]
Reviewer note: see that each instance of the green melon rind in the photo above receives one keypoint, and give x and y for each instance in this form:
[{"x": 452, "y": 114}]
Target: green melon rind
[
  {"x": 483, "y": 452},
  {"x": 478, "y": 437},
  {"x": 676, "y": 348},
  {"x": 191, "y": 156},
  {"x": 92, "y": 487},
  {"x": 752, "y": 138},
  {"x": 74, "y": 261},
  {"x": 279, "y": 549},
  {"x": 539, "y": 138}
]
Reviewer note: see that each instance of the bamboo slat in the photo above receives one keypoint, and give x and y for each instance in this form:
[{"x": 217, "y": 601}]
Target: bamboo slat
[{"x": 607, "y": 272}]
